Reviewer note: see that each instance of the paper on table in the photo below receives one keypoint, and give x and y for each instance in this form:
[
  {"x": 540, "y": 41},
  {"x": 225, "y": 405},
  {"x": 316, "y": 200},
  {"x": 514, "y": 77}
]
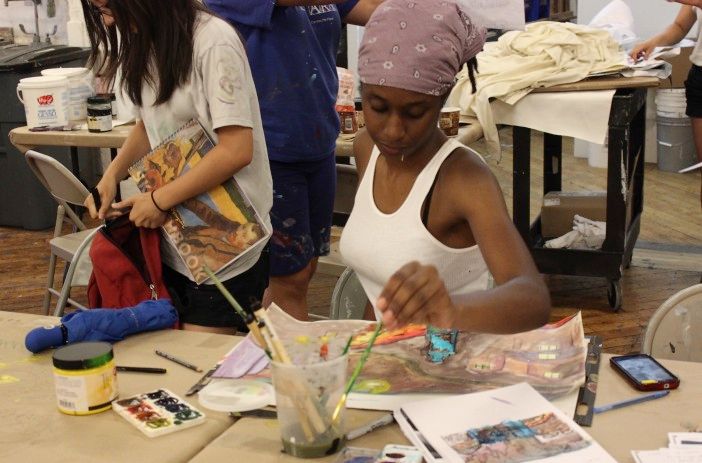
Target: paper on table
[
  {"x": 683, "y": 439},
  {"x": 549, "y": 435},
  {"x": 668, "y": 455},
  {"x": 245, "y": 358},
  {"x": 587, "y": 116},
  {"x": 390, "y": 402}
]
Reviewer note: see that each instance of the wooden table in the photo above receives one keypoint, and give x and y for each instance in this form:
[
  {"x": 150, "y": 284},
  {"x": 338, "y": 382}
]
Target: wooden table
[
  {"x": 644, "y": 426},
  {"x": 625, "y": 176},
  {"x": 24, "y": 139},
  {"x": 33, "y": 429}
]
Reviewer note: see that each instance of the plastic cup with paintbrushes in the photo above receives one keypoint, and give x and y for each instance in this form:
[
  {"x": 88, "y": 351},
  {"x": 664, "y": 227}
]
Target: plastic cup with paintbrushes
[{"x": 309, "y": 413}]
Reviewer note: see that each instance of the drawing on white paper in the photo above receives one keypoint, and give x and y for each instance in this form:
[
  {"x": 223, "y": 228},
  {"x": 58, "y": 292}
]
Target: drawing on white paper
[{"x": 515, "y": 441}]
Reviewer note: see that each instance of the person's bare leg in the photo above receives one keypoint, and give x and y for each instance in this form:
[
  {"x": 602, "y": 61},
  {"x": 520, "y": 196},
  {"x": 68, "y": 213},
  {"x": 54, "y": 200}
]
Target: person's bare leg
[
  {"x": 290, "y": 291},
  {"x": 697, "y": 134}
]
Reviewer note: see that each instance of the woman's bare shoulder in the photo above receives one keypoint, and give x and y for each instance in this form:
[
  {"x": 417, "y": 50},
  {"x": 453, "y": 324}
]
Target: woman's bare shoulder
[
  {"x": 467, "y": 176},
  {"x": 466, "y": 164}
]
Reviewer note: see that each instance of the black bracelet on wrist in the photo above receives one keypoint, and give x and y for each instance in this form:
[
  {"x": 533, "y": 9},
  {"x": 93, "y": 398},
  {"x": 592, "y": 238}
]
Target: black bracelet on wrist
[{"x": 153, "y": 200}]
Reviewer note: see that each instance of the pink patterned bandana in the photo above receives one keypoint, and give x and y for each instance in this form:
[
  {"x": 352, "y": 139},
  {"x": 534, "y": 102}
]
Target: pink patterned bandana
[{"x": 418, "y": 45}]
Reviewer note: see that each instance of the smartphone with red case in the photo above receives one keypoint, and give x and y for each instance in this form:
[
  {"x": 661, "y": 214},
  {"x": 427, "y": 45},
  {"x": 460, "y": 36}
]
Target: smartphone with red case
[{"x": 644, "y": 372}]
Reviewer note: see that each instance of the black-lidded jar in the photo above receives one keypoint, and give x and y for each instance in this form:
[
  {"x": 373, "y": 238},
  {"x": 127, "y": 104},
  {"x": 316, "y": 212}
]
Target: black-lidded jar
[{"x": 99, "y": 113}]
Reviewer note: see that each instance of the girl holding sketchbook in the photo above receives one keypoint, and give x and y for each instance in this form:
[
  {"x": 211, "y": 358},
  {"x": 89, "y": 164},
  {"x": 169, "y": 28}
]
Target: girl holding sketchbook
[{"x": 178, "y": 62}]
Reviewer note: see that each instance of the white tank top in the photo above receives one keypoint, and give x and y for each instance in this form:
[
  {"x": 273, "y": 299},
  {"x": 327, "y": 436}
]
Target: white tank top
[{"x": 376, "y": 244}]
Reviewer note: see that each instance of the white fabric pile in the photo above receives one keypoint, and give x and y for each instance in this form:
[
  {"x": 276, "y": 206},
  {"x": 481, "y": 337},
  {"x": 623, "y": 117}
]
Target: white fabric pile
[
  {"x": 544, "y": 54},
  {"x": 586, "y": 234},
  {"x": 617, "y": 19}
]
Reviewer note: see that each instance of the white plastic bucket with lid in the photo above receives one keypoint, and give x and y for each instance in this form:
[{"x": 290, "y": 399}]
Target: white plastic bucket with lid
[
  {"x": 45, "y": 100},
  {"x": 671, "y": 102},
  {"x": 80, "y": 87}
]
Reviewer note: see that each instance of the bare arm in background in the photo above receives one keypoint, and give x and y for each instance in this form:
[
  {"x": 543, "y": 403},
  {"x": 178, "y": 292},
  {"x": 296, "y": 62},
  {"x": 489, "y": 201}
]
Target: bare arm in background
[{"x": 672, "y": 34}]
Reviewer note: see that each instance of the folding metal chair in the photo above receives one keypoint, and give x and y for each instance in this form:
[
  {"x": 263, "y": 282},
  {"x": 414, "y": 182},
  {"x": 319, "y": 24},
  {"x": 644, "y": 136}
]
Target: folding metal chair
[
  {"x": 673, "y": 332},
  {"x": 67, "y": 190}
]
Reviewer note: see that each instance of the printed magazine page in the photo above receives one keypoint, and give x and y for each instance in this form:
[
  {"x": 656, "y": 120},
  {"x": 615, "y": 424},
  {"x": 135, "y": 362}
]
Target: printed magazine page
[
  {"x": 505, "y": 425},
  {"x": 212, "y": 229}
]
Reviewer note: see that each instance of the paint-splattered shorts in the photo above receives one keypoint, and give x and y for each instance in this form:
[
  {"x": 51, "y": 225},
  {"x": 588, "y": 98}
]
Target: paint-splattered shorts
[{"x": 303, "y": 204}]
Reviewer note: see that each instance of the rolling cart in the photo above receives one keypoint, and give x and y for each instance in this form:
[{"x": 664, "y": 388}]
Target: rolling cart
[{"x": 625, "y": 175}]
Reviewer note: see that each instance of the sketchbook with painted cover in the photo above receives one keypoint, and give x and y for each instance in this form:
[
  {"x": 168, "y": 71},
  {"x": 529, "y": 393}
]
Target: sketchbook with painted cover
[
  {"x": 215, "y": 228},
  {"x": 511, "y": 424}
]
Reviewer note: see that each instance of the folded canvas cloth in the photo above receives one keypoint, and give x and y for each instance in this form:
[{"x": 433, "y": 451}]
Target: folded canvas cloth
[
  {"x": 545, "y": 54},
  {"x": 586, "y": 234}
]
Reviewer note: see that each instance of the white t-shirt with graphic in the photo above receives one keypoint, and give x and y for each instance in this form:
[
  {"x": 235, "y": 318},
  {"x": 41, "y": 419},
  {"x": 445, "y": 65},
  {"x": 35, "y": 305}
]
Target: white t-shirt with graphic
[{"x": 219, "y": 93}]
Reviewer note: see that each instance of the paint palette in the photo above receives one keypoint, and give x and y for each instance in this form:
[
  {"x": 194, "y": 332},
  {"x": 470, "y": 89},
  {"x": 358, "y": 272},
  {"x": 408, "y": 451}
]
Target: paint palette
[{"x": 158, "y": 412}]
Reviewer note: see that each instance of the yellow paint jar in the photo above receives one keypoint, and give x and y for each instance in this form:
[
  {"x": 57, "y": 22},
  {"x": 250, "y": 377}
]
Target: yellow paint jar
[{"x": 85, "y": 378}]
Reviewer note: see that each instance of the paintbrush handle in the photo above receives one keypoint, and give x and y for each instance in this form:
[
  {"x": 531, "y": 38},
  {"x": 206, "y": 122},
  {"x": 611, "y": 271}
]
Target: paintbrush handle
[
  {"x": 356, "y": 372},
  {"x": 225, "y": 292},
  {"x": 362, "y": 360}
]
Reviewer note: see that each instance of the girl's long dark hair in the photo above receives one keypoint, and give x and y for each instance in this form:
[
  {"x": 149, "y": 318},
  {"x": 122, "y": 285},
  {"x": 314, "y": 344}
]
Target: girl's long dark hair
[{"x": 151, "y": 42}]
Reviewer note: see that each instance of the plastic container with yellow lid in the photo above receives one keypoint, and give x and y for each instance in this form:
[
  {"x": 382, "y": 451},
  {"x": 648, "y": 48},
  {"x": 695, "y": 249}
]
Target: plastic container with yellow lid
[{"x": 85, "y": 378}]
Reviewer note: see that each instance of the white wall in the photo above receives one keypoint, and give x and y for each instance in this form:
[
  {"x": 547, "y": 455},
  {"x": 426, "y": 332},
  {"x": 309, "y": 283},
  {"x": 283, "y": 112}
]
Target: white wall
[
  {"x": 650, "y": 16},
  {"x": 22, "y": 12}
]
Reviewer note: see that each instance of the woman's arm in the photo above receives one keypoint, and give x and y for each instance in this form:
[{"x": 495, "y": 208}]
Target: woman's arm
[
  {"x": 519, "y": 302},
  {"x": 672, "y": 34},
  {"x": 360, "y": 13},
  {"x": 134, "y": 148}
]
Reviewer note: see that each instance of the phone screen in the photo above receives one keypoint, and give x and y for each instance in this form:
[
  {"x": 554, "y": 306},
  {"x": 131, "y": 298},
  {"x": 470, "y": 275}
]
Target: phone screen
[{"x": 643, "y": 369}]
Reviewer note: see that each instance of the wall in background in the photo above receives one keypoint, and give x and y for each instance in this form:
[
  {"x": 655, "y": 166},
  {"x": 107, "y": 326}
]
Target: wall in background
[
  {"x": 650, "y": 16},
  {"x": 22, "y": 12}
]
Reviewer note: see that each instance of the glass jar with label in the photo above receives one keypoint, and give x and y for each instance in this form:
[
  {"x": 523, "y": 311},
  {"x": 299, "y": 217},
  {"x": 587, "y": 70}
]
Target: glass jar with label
[{"x": 99, "y": 113}]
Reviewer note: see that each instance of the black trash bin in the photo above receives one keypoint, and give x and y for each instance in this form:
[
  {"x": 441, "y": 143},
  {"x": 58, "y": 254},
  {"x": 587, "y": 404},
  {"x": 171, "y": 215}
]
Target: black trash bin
[{"x": 24, "y": 202}]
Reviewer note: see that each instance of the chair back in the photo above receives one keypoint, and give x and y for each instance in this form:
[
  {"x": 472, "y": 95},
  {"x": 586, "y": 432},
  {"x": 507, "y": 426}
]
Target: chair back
[
  {"x": 673, "y": 332},
  {"x": 346, "y": 186},
  {"x": 348, "y": 299},
  {"x": 59, "y": 181}
]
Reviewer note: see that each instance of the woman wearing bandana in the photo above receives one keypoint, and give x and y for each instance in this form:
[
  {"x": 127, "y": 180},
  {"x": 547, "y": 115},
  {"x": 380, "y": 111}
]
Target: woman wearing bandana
[{"x": 429, "y": 223}]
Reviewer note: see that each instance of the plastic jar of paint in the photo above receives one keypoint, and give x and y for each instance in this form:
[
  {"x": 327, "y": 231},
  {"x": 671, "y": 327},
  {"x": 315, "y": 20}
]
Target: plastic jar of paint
[
  {"x": 99, "y": 113},
  {"x": 85, "y": 378}
]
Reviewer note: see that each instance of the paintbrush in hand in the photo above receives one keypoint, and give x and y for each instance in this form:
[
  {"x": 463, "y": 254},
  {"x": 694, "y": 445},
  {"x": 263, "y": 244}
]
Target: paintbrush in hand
[{"x": 356, "y": 372}]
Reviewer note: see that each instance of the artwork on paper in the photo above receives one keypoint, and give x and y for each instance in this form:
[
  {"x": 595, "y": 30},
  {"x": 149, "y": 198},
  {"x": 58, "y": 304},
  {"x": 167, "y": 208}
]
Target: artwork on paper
[
  {"x": 515, "y": 441},
  {"x": 415, "y": 359},
  {"x": 510, "y": 424},
  {"x": 214, "y": 228}
]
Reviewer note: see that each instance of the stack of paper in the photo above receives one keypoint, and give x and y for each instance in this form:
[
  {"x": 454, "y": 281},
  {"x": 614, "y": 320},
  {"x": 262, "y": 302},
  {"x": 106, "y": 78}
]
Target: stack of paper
[
  {"x": 506, "y": 425},
  {"x": 683, "y": 447}
]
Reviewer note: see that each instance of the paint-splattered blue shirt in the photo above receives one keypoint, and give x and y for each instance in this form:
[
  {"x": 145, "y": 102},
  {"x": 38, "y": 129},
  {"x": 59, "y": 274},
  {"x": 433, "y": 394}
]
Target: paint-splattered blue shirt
[{"x": 292, "y": 51}]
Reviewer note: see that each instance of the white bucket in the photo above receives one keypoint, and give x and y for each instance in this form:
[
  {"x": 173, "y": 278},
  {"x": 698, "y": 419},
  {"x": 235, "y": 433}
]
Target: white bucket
[
  {"x": 80, "y": 83},
  {"x": 676, "y": 144},
  {"x": 671, "y": 102},
  {"x": 45, "y": 100}
]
